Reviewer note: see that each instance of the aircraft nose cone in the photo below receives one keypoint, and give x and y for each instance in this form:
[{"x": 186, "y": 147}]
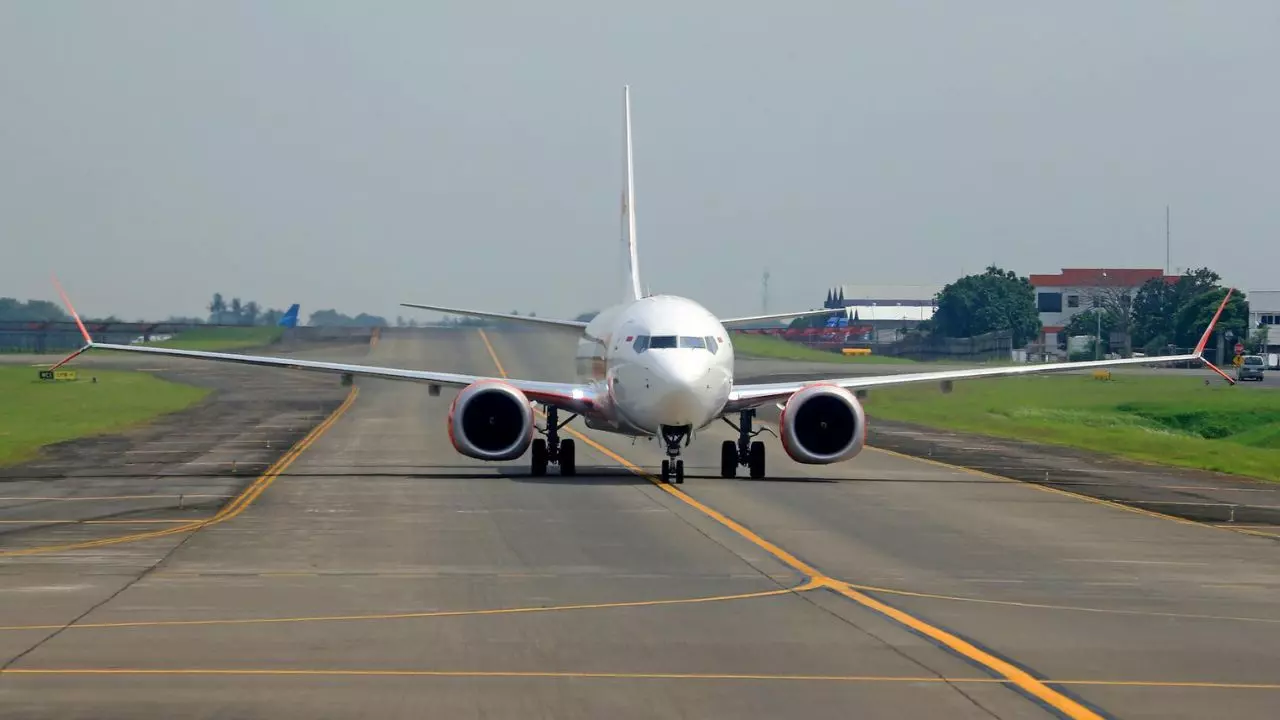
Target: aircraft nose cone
[
  {"x": 681, "y": 371},
  {"x": 682, "y": 382}
]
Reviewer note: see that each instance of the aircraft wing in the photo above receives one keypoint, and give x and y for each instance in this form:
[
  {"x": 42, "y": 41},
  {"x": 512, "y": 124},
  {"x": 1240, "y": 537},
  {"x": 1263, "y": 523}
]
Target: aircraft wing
[
  {"x": 547, "y": 322},
  {"x": 752, "y": 395},
  {"x": 731, "y": 322},
  {"x": 573, "y": 397},
  {"x": 568, "y": 396}
]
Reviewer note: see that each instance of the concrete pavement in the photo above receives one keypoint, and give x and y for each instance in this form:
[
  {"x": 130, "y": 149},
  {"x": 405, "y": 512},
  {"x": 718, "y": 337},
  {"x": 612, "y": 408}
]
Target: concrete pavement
[{"x": 380, "y": 573}]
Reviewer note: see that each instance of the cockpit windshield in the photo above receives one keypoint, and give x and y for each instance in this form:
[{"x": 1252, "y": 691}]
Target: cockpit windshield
[{"x": 669, "y": 342}]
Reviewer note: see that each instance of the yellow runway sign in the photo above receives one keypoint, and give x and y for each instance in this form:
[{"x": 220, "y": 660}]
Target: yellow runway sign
[{"x": 57, "y": 374}]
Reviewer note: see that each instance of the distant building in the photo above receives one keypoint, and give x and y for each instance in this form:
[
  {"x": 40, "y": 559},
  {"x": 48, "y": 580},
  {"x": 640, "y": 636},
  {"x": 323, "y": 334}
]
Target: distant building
[
  {"x": 1264, "y": 313},
  {"x": 885, "y": 309},
  {"x": 1060, "y": 297}
]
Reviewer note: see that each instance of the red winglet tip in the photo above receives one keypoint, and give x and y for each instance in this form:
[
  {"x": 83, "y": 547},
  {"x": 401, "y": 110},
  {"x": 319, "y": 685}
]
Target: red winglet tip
[
  {"x": 75, "y": 315},
  {"x": 1230, "y": 380},
  {"x": 1204, "y": 339}
]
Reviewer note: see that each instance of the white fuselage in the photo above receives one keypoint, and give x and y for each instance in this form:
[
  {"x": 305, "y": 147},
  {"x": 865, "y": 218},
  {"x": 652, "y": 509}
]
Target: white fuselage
[{"x": 658, "y": 361}]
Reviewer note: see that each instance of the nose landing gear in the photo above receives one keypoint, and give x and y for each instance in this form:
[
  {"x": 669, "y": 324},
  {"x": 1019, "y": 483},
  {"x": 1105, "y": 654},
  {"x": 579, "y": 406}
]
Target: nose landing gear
[
  {"x": 744, "y": 451},
  {"x": 672, "y": 436},
  {"x": 553, "y": 450}
]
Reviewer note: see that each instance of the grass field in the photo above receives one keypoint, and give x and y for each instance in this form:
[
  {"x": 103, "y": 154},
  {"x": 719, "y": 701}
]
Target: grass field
[
  {"x": 1172, "y": 420},
  {"x": 222, "y": 338},
  {"x": 37, "y": 413},
  {"x": 772, "y": 347}
]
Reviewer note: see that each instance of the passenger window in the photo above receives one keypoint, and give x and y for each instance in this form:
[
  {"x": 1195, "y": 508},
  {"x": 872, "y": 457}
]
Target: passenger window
[
  {"x": 641, "y": 344},
  {"x": 659, "y": 342},
  {"x": 692, "y": 342}
]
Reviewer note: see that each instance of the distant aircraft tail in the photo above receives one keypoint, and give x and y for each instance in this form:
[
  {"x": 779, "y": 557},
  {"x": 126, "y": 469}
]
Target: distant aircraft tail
[
  {"x": 629, "y": 202},
  {"x": 290, "y": 317}
]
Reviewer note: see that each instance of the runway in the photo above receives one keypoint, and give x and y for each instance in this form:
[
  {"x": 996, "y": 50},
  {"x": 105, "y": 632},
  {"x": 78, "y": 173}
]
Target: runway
[{"x": 375, "y": 572}]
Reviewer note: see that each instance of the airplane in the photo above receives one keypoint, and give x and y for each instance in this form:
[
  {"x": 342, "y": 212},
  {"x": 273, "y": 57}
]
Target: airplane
[
  {"x": 290, "y": 317},
  {"x": 654, "y": 365}
]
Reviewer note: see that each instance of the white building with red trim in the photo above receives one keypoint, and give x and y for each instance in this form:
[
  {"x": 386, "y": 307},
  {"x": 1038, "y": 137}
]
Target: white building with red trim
[{"x": 1061, "y": 296}]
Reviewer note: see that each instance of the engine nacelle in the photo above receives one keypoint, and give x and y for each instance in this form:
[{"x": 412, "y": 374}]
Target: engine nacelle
[
  {"x": 491, "y": 421},
  {"x": 822, "y": 424}
]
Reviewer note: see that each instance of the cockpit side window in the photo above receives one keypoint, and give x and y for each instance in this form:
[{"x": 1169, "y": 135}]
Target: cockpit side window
[
  {"x": 712, "y": 345},
  {"x": 658, "y": 342},
  {"x": 641, "y": 344}
]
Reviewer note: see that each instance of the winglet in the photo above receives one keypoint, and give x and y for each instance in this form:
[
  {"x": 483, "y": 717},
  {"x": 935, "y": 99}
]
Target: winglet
[
  {"x": 69, "y": 358},
  {"x": 1204, "y": 339},
  {"x": 70, "y": 308},
  {"x": 1230, "y": 380}
]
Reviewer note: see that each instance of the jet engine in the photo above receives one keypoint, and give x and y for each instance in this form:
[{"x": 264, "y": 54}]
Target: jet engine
[
  {"x": 491, "y": 421},
  {"x": 822, "y": 424}
]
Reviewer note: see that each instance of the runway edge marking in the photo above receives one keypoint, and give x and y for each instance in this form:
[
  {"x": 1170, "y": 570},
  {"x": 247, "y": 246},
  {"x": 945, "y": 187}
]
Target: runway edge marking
[
  {"x": 237, "y": 505},
  {"x": 1015, "y": 675}
]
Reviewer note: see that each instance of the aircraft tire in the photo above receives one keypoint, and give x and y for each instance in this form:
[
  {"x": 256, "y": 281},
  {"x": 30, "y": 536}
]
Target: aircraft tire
[
  {"x": 756, "y": 462},
  {"x": 538, "y": 457},
  {"x": 728, "y": 459},
  {"x": 568, "y": 458}
]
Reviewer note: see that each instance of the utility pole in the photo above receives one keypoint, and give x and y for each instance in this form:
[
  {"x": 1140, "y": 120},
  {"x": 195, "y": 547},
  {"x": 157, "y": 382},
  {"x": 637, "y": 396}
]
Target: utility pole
[
  {"x": 1167, "y": 255},
  {"x": 1097, "y": 314},
  {"x": 764, "y": 293}
]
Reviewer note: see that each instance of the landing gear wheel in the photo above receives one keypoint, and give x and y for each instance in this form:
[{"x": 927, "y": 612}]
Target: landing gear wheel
[
  {"x": 756, "y": 461},
  {"x": 568, "y": 458},
  {"x": 679, "y": 472},
  {"x": 538, "y": 455},
  {"x": 666, "y": 472},
  {"x": 728, "y": 459}
]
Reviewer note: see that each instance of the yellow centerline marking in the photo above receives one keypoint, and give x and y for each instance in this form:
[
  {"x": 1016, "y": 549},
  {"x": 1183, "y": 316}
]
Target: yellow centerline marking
[
  {"x": 533, "y": 674},
  {"x": 237, "y": 505},
  {"x": 1012, "y": 673},
  {"x": 426, "y": 614}
]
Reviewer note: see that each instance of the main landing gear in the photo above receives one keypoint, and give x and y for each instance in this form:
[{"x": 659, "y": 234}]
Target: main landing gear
[
  {"x": 744, "y": 451},
  {"x": 673, "y": 466},
  {"x": 553, "y": 450}
]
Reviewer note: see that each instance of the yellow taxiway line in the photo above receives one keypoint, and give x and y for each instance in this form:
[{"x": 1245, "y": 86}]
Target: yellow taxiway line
[
  {"x": 417, "y": 615},
  {"x": 552, "y": 675},
  {"x": 1013, "y": 674}
]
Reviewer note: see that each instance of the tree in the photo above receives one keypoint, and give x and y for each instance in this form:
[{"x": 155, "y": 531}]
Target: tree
[
  {"x": 251, "y": 311},
  {"x": 270, "y": 317},
  {"x": 1257, "y": 342},
  {"x": 237, "y": 310},
  {"x": 1196, "y": 314},
  {"x": 217, "y": 307},
  {"x": 36, "y": 310},
  {"x": 1086, "y": 323},
  {"x": 1158, "y": 302},
  {"x": 995, "y": 300},
  {"x": 333, "y": 318}
]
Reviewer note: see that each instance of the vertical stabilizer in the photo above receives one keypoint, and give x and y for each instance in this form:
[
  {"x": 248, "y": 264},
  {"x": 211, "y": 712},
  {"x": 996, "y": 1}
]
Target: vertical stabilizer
[
  {"x": 629, "y": 201},
  {"x": 290, "y": 317}
]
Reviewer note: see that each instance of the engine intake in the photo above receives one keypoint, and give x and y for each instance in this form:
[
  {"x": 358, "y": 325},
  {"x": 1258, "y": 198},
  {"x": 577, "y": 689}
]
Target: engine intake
[
  {"x": 823, "y": 424},
  {"x": 491, "y": 421}
]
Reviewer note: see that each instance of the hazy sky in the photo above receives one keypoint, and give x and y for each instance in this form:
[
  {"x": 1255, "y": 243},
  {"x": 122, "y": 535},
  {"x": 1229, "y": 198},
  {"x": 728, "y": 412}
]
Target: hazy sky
[{"x": 356, "y": 154}]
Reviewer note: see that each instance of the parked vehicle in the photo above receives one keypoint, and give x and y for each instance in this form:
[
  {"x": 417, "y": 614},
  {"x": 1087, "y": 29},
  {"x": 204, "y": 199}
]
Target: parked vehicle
[{"x": 1251, "y": 368}]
